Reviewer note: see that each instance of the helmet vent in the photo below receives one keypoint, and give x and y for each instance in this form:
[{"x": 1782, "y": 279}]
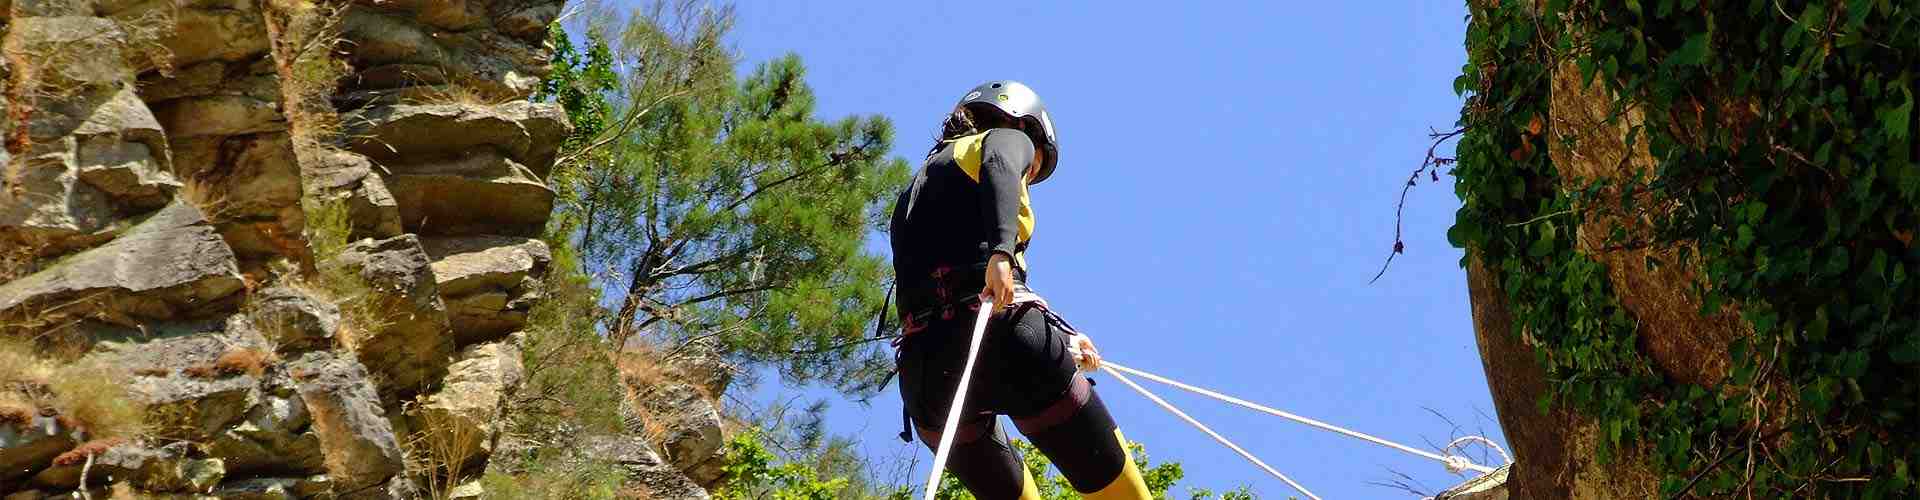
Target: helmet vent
[{"x": 996, "y": 85}]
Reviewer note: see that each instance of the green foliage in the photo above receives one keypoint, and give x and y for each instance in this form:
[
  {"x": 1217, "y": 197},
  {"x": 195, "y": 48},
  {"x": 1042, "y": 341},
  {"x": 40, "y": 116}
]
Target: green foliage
[
  {"x": 554, "y": 475},
  {"x": 571, "y": 382},
  {"x": 752, "y": 472},
  {"x": 1784, "y": 145}
]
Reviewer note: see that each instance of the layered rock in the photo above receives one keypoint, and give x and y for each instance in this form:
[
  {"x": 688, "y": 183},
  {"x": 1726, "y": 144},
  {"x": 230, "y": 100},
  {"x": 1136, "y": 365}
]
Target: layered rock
[
  {"x": 489, "y": 283},
  {"x": 156, "y": 174},
  {"x": 414, "y": 345},
  {"x": 172, "y": 266},
  {"x": 356, "y": 440},
  {"x": 467, "y": 413},
  {"x": 464, "y": 169},
  {"x": 652, "y": 475}
]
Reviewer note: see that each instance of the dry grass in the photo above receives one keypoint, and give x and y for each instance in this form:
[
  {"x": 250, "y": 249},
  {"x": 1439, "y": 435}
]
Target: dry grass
[
  {"x": 453, "y": 93},
  {"x": 95, "y": 399},
  {"x": 207, "y": 196},
  {"x": 235, "y": 361},
  {"x": 441, "y": 449},
  {"x": 305, "y": 35},
  {"x": 641, "y": 367},
  {"x": 329, "y": 231},
  {"x": 16, "y": 410},
  {"x": 19, "y": 366},
  {"x": 18, "y": 259},
  {"x": 79, "y": 454}
]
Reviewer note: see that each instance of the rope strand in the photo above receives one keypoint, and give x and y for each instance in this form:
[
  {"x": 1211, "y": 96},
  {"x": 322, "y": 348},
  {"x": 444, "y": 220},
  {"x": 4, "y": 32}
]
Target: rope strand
[
  {"x": 1453, "y": 462},
  {"x": 959, "y": 396},
  {"x": 1203, "y": 428}
]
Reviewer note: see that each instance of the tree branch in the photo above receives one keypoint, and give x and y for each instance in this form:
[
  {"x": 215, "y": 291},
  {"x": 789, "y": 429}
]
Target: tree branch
[{"x": 626, "y": 125}]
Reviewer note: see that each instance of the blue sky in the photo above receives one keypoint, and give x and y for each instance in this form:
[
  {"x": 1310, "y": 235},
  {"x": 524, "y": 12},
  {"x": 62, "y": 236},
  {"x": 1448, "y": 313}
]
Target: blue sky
[{"x": 1226, "y": 188}]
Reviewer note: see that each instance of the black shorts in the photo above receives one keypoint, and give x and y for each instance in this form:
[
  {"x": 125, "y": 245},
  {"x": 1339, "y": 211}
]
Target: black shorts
[{"x": 1023, "y": 366}]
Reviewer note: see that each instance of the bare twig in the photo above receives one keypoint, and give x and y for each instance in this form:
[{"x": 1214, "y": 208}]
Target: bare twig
[{"x": 1430, "y": 166}]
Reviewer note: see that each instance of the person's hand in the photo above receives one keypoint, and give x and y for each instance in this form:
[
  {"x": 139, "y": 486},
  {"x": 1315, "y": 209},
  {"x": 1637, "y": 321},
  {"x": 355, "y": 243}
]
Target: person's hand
[
  {"x": 1084, "y": 354},
  {"x": 999, "y": 280}
]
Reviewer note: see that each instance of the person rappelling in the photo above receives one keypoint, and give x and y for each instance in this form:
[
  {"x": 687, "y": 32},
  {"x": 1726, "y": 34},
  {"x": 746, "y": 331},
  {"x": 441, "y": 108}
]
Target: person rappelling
[{"x": 959, "y": 235}]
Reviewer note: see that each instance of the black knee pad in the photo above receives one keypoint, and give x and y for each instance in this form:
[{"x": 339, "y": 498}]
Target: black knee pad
[{"x": 1084, "y": 447}]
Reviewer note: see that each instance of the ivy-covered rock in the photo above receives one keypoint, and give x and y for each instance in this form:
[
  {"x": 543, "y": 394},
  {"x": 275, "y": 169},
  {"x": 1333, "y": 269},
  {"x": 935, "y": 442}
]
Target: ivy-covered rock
[{"x": 1689, "y": 232}]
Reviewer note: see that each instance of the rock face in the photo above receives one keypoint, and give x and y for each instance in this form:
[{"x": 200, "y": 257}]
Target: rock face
[
  {"x": 172, "y": 266},
  {"x": 358, "y": 443},
  {"x": 464, "y": 169},
  {"x": 165, "y": 169},
  {"x": 413, "y": 347},
  {"x": 691, "y": 429},
  {"x": 466, "y": 413},
  {"x": 657, "y": 478},
  {"x": 1555, "y": 451},
  {"x": 488, "y": 282}
]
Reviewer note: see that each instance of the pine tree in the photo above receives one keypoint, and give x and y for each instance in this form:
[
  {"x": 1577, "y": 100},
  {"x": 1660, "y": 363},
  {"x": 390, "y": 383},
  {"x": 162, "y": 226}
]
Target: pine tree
[{"x": 710, "y": 208}]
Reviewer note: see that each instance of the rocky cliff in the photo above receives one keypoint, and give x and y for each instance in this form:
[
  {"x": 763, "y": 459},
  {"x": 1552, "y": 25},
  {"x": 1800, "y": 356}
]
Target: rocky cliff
[{"x": 297, "y": 237}]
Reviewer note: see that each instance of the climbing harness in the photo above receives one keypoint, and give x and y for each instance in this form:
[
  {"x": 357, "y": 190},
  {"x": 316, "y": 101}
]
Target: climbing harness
[{"x": 959, "y": 397}]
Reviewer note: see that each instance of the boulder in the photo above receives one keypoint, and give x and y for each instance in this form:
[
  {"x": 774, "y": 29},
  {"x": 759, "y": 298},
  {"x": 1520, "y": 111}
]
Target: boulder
[
  {"x": 292, "y": 320},
  {"x": 644, "y": 467},
  {"x": 691, "y": 425},
  {"x": 219, "y": 115},
  {"x": 130, "y": 173},
  {"x": 179, "y": 379},
  {"x": 503, "y": 67},
  {"x": 470, "y": 490},
  {"x": 702, "y": 364},
  {"x": 357, "y": 442},
  {"x": 50, "y": 210},
  {"x": 263, "y": 488},
  {"x": 527, "y": 133},
  {"x": 98, "y": 157},
  {"x": 252, "y": 183},
  {"x": 489, "y": 283},
  {"x": 349, "y": 177},
  {"x": 274, "y": 439},
  {"x": 467, "y": 412},
  {"x": 81, "y": 49},
  {"x": 164, "y": 469},
  {"x": 216, "y": 31},
  {"x": 1489, "y": 486},
  {"x": 26, "y": 448},
  {"x": 413, "y": 349},
  {"x": 478, "y": 193},
  {"x": 171, "y": 266}
]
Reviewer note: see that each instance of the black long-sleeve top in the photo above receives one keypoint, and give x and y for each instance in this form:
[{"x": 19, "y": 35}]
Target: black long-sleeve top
[{"x": 968, "y": 202}]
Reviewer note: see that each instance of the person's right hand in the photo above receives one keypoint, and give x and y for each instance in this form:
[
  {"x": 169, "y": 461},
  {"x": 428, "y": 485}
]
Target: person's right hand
[{"x": 999, "y": 281}]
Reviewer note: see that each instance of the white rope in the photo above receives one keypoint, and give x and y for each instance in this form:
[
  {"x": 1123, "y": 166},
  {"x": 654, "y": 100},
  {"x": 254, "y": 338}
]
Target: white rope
[
  {"x": 1203, "y": 428},
  {"x": 1454, "y": 463},
  {"x": 1456, "y": 443},
  {"x": 959, "y": 397}
]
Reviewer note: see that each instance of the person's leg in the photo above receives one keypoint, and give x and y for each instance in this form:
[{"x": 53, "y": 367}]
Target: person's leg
[
  {"x": 930, "y": 363},
  {"x": 983, "y": 461},
  {"x": 1058, "y": 411},
  {"x": 1079, "y": 436}
]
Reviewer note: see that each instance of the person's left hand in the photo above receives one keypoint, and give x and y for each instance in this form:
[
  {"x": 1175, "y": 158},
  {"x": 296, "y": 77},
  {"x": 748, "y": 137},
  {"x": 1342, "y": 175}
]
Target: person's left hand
[{"x": 1085, "y": 355}]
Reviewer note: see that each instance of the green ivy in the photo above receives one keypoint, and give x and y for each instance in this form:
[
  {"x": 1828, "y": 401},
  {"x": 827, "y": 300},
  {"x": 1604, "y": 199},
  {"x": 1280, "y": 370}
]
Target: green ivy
[{"x": 1783, "y": 137}]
